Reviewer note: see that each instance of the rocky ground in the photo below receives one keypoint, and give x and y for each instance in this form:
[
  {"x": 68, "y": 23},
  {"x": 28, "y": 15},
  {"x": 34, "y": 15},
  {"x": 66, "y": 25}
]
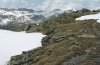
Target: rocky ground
[{"x": 68, "y": 42}]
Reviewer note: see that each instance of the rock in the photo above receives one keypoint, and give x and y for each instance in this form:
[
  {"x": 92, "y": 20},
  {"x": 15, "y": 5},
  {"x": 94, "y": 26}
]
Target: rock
[
  {"x": 72, "y": 41},
  {"x": 74, "y": 47},
  {"x": 52, "y": 39},
  {"x": 45, "y": 40},
  {"x": 36, "y": 59},
  {"x": 56, "y": 39},
  {"x": 27, "y": 27},
  {"x": 83, "y": 30},
  {"x": 87, "y": 36}
]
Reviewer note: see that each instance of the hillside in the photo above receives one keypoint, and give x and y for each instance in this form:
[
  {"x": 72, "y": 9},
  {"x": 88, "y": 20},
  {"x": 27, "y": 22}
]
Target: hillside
[{"x": 68, "y": 41}]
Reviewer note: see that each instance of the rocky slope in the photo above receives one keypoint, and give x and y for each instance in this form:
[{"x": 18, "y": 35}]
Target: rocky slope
[
  {"x": 25, "y": 15},
  {"x": 68, "y": 42},
  {"x": 19, "y": 15}
]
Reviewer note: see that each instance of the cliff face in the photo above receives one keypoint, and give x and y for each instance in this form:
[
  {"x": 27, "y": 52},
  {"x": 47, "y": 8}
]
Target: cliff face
[{"x": 68, "y": 42}]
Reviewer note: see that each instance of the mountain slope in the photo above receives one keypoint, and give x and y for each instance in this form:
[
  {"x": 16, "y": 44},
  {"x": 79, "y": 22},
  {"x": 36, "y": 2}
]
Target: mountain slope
[
  {"x": 17, "y": 16},
  {"x": 68, "y": 42},
  {"x": 25, "y": 15}
]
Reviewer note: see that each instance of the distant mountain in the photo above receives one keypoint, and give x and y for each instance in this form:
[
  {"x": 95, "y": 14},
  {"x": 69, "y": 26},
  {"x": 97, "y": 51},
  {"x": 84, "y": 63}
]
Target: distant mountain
[
  {"x": 25, "y": 15},
  {"x": 18, "y": 15}
]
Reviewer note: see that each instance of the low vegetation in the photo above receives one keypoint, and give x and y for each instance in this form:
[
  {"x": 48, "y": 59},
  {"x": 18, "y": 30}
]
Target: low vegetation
[{"x": 68, "y": 42}]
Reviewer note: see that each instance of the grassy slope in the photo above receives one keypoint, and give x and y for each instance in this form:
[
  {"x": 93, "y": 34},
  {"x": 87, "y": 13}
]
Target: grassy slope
[{"x": 64, "y": 44}]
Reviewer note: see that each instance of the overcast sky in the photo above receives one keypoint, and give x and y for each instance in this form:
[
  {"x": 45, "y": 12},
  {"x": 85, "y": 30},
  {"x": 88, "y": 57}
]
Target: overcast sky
[{"x": 68, "y": 4}]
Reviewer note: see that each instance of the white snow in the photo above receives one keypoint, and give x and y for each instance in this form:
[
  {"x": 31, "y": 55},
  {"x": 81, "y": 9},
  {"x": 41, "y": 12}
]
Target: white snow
[
  {"x": 13, "y": 43},
  {"x": 6, "y": 21},
  {"x": 19, "y": 15},
  {"x": 92, "y": 16},
  {"x": 15, "y": 13}
]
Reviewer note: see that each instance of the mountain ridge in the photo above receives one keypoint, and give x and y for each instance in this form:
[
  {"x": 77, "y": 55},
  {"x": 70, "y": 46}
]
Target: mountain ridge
[{"x": 25, "y": 15}]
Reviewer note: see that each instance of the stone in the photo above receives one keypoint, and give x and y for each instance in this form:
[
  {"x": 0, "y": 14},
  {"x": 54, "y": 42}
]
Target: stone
[{"x": 87, "y": 36}]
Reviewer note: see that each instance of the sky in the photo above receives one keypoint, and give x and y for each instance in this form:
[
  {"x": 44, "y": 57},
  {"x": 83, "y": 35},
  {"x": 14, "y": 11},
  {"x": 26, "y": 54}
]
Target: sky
[{"x": 50, "y": 4}]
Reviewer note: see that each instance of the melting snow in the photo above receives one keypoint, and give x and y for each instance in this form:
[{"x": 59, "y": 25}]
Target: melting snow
[
  {"x": 12, "y": 43},
  {"x": 93, "y": 16}
]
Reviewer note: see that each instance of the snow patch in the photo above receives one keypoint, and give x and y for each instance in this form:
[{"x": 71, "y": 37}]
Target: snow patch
[
  {"x": 92, "y": 16},
  {"x": 12, "y": 43}
]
